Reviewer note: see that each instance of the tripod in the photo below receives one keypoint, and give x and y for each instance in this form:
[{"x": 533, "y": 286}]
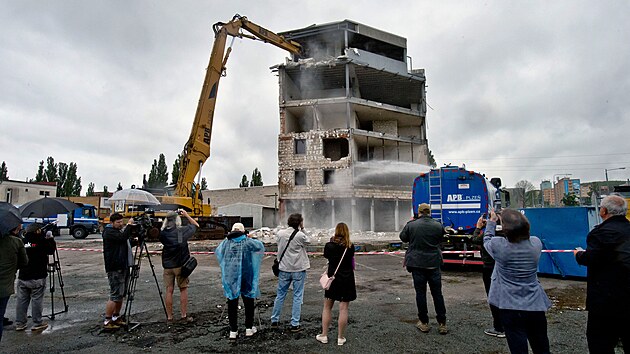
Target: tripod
[
  {"x": 141, "y": 249},
  {"x": 55, "y": 267}
]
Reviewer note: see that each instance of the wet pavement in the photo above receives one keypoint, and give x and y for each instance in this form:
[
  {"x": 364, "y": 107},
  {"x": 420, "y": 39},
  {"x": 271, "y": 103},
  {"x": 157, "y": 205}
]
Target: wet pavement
[{"x": 381, "y": 319}]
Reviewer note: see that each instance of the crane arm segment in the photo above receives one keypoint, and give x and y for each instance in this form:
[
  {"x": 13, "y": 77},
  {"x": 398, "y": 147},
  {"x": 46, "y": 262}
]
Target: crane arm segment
[{"x": 197, "y": 148}]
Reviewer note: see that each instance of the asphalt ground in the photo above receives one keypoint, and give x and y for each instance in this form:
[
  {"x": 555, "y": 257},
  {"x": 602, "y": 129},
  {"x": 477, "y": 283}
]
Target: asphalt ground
[{"x": 381, "y": 320}]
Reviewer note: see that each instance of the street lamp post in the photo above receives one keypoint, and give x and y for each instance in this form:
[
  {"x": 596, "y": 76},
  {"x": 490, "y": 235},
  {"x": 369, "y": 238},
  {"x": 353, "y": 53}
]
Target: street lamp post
[{"x": 612, "y": 169}]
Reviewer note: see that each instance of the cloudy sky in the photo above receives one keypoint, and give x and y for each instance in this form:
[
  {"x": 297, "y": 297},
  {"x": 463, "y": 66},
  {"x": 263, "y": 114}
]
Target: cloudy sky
[{"x": 522, "y": 90}]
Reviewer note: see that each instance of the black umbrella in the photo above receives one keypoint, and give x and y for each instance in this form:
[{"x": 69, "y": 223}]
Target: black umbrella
[
  {"x": 10, "y": 217},
  {"x": 45, "y": 207}
]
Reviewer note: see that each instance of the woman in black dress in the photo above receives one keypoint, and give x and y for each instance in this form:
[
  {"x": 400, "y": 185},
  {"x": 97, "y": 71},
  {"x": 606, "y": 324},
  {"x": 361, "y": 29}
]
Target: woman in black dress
[{"x": 342, "y": 288}]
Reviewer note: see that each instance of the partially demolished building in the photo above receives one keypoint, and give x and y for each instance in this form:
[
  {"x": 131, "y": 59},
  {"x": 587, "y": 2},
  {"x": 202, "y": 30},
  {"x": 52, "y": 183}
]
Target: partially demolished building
[{"x": 352, "y": 128}]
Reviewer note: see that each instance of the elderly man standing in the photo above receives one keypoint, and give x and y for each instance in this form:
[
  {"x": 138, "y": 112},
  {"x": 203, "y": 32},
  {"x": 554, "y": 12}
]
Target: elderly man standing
[
  {"x": 607, "y": 257},
  {"x": 12, "y": 256},
  {"x": 423, "y": 260}
]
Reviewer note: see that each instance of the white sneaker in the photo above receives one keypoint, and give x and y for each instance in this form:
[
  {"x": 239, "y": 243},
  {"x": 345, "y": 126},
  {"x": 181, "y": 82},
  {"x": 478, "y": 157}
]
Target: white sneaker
[
  {"x": 233, "y": 335},
  {"x": 341, "y": 341},
  {"x": 322, "y": 338},
  {"x": 250, "y": 331}
]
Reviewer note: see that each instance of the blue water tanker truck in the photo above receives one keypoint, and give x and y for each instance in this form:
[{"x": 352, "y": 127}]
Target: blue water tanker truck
[{"x": 457, "y": 198}]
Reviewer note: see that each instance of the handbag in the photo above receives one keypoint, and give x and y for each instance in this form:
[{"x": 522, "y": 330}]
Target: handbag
[
  {"x": 276, "y": 263},
  {"x": 191, "y": 262},
  {"x": 325, "y": 281},
  {"x": 188, "y": 267}
]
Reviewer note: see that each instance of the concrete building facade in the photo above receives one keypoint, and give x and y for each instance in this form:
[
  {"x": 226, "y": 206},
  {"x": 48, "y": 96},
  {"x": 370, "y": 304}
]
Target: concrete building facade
[
  {"x": 18, "y": 192},
  {"x": 352, "y": 127}
]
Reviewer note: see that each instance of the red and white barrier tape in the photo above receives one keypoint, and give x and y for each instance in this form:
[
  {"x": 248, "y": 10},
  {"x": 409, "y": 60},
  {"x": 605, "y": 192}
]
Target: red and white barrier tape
[{"x": 310, "y": 253}]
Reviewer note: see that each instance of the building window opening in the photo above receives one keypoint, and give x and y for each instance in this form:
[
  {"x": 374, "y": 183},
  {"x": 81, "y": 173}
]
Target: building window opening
[
  {"x": 335, "y": 149},
  {"x": 329, "y": 176},
  {"x": 300, "y": 178},
  {"x": 300, "y": 147}
]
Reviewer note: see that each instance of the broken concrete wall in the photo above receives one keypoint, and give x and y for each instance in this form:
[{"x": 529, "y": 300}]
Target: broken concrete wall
[{"x": 353, "y": 133}]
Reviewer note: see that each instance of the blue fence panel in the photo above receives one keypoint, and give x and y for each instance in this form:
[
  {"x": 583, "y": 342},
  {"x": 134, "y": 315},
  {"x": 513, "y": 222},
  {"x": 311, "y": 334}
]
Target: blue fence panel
[{"x": 561, "y": 229}]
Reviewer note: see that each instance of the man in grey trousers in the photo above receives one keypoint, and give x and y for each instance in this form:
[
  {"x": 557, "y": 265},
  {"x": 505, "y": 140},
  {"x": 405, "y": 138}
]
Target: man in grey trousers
[{"x": 31, "y": 284}]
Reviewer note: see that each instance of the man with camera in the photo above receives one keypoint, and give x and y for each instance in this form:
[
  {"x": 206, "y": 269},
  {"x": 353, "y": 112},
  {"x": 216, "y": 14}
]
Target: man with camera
[
  {"x": 607, "y": 258},
  {"x": 175, "y": 253},
  {"x": 31, "y": 284},
  {"x": 423, "y": 260},
  {"x": 118, "y": 258}
]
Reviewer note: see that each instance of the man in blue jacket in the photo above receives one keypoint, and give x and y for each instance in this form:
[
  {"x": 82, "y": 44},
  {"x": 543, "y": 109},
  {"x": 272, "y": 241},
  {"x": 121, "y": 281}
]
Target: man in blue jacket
[
  {"x": 607, "y": 257},
  {"x": 118, "y": 259},
  {"x": 423, "y": 260}
]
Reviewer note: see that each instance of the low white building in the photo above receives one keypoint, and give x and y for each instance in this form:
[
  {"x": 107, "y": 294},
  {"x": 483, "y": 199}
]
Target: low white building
[
  {"x": 18, "y": 193},
  {"x": 253, "y": 216}
]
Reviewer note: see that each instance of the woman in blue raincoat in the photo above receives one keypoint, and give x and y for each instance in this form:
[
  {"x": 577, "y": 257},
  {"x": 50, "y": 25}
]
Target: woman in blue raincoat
[{"x": 240, "y": 258}]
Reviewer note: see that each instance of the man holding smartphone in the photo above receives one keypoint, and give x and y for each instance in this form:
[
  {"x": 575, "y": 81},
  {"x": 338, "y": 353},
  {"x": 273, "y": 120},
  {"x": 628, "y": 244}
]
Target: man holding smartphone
[{"x": 607, "y": 257}]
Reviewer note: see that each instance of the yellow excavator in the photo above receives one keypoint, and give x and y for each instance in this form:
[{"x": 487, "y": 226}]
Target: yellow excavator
[{"x": 186, "y": 192}]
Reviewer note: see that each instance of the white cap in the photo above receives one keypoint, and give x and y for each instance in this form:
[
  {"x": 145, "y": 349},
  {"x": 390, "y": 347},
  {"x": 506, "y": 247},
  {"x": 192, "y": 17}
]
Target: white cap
[{"x": 238, "y": 227}]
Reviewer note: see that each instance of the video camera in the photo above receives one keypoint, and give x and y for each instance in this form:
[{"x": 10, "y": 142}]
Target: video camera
[{"x": 142, "y": 225}]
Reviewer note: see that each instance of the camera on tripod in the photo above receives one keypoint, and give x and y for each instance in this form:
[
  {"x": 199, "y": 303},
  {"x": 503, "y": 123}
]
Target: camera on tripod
[{"x": 141, "y": 228}]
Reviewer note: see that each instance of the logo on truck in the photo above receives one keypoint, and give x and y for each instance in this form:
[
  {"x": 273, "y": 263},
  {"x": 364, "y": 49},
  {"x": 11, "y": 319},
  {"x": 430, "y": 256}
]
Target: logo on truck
[{"x": 462, "y": 198}]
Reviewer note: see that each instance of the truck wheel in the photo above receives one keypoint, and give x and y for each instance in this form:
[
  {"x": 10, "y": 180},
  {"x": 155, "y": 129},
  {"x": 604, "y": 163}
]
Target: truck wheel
[{"x": 79, "y": 233}]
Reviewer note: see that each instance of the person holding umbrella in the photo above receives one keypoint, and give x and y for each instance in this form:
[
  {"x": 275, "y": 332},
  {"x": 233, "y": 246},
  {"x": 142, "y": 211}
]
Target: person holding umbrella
[
  {"x": 118, "y": 259},
  {"x": 12, "y": 254}
]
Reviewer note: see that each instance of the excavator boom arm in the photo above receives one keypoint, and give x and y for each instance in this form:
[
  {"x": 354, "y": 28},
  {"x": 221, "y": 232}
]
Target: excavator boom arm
[{"x": 197, "y": 149}]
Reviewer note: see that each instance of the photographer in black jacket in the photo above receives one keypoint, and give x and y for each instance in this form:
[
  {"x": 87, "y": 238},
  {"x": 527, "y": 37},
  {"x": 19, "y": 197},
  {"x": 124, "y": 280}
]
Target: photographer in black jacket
[
  {"x": 31, "y": 284},
  {"x": 118, "y": 259}
]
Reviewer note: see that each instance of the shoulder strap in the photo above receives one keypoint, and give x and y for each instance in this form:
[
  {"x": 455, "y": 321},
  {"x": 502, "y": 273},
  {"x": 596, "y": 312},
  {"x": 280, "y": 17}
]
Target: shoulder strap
[
  {"x": 287, "y": 246},
  {"x": 343, "y": 255},
  {"x": 179, "y": 235}
]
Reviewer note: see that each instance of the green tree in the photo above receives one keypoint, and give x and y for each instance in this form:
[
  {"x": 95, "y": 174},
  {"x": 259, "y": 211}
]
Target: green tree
[
  {"x": 51, "y": 170},
  {"x": 90, "y": 190},
  {"x": 69, "y": 183},
  {"x": 62, "y": 173},
  {"x": 119, "y": 188},
  {"x": 4, "y": 172},
  {"x": 40, "y": 176},
  {"x": 162, "y": 172},
  {"x": 204, "y": 184},
  {"x": 176, "y": 167},
  {"x": 244, "y": 182},
  {"x": 431, "y": 160},
  {"x": 158, "y": 177},
  {"x": 105, "y": 192},
  {"x": 256, "y": 178},
  {"x": 152, "y": 175},
  {"x": 570, "y": 200}
]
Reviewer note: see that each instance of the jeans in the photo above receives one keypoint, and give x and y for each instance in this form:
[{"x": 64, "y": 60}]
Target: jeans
[
  {"x": 522, "y": 326},
  {"x": 496, "y": 316},
  {"x": 421, "y": 277},
  {"x": 603, "y": 331},
  {"x": 284, "y": 280},
  {"x": 233, "y": 313},
  {"x": 29, "y": 292},
  {"x": 3, "y": 309}
]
